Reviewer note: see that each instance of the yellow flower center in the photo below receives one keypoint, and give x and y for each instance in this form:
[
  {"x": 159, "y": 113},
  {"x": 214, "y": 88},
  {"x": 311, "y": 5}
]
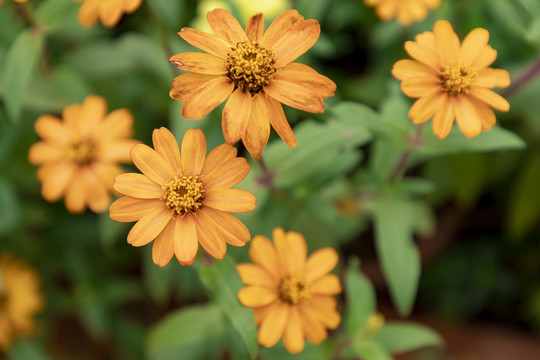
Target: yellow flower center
[
  {"x": 81, "y": 152},
  {"x": 250, "y": 66},
  {"x": 294, "y": 290},
  {"x": 184, "y": 194},
  {"x": 456, "y": 78}
]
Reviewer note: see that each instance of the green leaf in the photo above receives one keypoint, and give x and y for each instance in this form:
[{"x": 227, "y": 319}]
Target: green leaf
[
  {"x": 27, "y": 350},
  {"x": 110, "y": 231},
  {"x": 53, "y": 13},
  {"x": 223, "y": 281},
  {"x": 191, "y": 333},
  {"x": 394, "y": 224},
  {"x": 494, "y": 140},
  {"x": 369, "y": 350},
  {"x": 360, "y": 297},
  {"x": 402, "y": 337},
  {"x": 9, "y": 207},
  {"x": 321, "y": 351},
  {"x": 19, "y": 67}
]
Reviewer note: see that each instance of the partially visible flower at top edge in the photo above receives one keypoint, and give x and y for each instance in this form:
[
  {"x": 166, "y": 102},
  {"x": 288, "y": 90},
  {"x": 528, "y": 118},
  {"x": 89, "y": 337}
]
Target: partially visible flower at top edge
[
  {"x": 184, "y": 197},
  {"x": 18, "y": 1},
  {"x": 406, "y": 11},
  {"x": 20, "y": 300},
  {"x": 109, "y": 12},
  {"x": 255, "y": 72},
  {"x": 452, "y": 81},
  {"x": 79, "y": 154},
  {"x": 291, "y": 294}
]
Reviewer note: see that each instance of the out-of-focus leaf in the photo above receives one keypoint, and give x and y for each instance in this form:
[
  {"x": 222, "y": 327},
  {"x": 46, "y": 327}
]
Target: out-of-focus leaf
[
  {"x": 223, "y": 281},
  {"x": 192, "y": 333},
  {"x": 168, "y": 12},
  {"x": 369, "y": 350},
  {"x": 524, "y": 209},
  {"x": 19, "y": 67},
  {"x": 53, "y": 13},
  {"x": 494, "y": 140},
  {"x": 394, "y": 224},
  {"x": 509, "y": 15},
  {"x": 9, "y": 207},
  {"x": 361, "y": 300},
  {"x": 318, "y": 146},
  {"x": 109, "y": 230},
  {"x": 311, "y": 352},
  {"x": 156, "y": 279},
  {"x": 402, "y": 337},
  {"x": 27, "y": 350}
]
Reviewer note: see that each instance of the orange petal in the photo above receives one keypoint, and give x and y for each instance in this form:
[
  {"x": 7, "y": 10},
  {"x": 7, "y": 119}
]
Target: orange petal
[
  {"x": 230, "y": 200},
  {"x": 486, "y": 57},
  {"x": 117, "y": 150},
  {"x": 257, "y": 131},
  {"x": 447, "y": 41},
  {"x": 106, "y": 172},
  {"x": 226, "y": 26},
  {"x": 420, "y": 86},
  {"x": 425, "y": 107},
  {"x": 117, "y": 124},
  {"x": 227, "y": 174},
  {"x": 312, "y": 80},
  {"x": 407, "y": 68},
  {"x": 279, "y": 27},
  {"x": 184, "y": 86},
  {"x": 151, "y": 163},
  {"x": 490, "y": 78},
  {"x": 295, "y": 95},
  {"x": 274, "y": 112},
  {"x": 209, "y": 236},
  {"x": 75, "y": 195},
  {"x": 206, "y": 42},
  {"x": 127, "y": 209},
  {"x": 492, "y": 98},
  {"x": 51, "y": 129},
  {"x": 42, "y": 152},
  {"x": 236, "y": 115},
  {"x": 273, "y": 325},
  {"x": 149, "y": 226},
  {"x": 92, "y": 111},
  {"x": 314, "y": 330},
  {"x": 163, "y": 247},
  {"x": 291, "y": 249},
  {"x": 326, "y": 285},
  {"x": 260, "y": 313},
  {"x": 263, "y": 254},
  {"x": 444, "y": 118},
  {"x": 207, "y": 97},
  {"x": 324, "y": 309},
  {"x": 467, "y": 118},
  {"x": 88, "y": 13},
  {"x": 193, "y": 152},
  {"x": 137, "y": 186},
  {"x": 202, "y": 63},
  {"x": 167, "y": 147},
  {"x": 473, "y": 44},
  {"x": 299, "y": 39},
  {"x": 185, "y": 239},
  {"x": 293, "y": 337},
  {"x": 320, "y": 263},
  {"x": 427, "y": 40},
  {"x": 110, "y": 13},
  {"x": 218, "y": 155},
  {"x": 97, "y": 196},
  {"x": 58, "y": 177},
  {"x": 255, "y": 27},
  {"x": 423, "y": 54},
  {"x": 486, "y": 114},
  {"x": 257, "y": 296},
  {"x": 255, "y": 275},
  {"x": 233, "y": 230},
  {"x": 131, "y": 5}
]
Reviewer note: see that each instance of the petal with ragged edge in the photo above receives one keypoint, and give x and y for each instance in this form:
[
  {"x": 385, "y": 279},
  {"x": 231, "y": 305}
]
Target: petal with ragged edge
[
  {"x": 226, "y": 26},
  {"x": 280, "y": 26},
  {"x": 207, "y": 97},
  {"x": 298, "y": 39},
  {"x": 235, "y": 115},
  {"x": 201, "y": 63},
  {"x": 255, "y": 27}
]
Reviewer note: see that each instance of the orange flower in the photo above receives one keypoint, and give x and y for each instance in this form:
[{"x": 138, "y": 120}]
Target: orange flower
[
  {"x": 255, "y": 72},
  {"x": 79, "y": 154},
  {"x": 452, "y": 81},
  {"x": 183, "y": 198},
  {"x": 20, "y": 300},
  {"x": 291, "y": 297},
  {"x": 108, "y": 12},
  {"x": 406, "y": 11}
]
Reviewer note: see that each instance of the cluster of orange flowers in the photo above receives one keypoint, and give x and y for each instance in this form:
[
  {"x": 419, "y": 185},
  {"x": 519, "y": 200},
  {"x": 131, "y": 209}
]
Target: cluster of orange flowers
[{"x": 184, "y": 196}]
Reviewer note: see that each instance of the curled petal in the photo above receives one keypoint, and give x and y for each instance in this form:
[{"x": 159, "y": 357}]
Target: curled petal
[
  {"x": 226, "y": 26},
  {"x": 202, "y": 63},
  {"x": 255, "y": 27}
]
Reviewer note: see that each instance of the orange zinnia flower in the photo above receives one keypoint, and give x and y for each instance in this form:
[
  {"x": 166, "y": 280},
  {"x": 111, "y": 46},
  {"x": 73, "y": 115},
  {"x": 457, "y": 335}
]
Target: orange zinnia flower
[
  {"x": 182, "y": 199},
  {"x": 20, "y": 300},
  {"x": 406, "y": 11},
  {"x": 452, "y": 81},
  {"x": 79, "y": 154},
  {"x": 291, "y": 297},
  {"x": 255, "y": 72},
  {"x": 109, "y": 12}
]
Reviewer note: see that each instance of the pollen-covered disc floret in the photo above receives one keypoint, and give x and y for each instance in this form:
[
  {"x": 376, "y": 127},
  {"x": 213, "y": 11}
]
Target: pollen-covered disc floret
[
  {"x": 82, "y": 152},
  {"x": 293, "y": 290},
  {"x": 456, "y": 79},
  {"x": 251, "y": 66},
  {"x": 184, "y": 194}
]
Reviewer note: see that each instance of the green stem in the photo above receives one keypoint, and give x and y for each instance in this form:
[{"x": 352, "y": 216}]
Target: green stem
[
  {"x": 162, "y": 32},
  {"x": 267, "y": 178},
  {"x": 523, "y": 79},
  {"x": 401, "y": 165}
]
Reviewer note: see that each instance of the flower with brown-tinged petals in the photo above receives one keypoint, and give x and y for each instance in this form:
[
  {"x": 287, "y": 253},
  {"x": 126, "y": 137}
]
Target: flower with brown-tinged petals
[{"x": 108, "y": 12}]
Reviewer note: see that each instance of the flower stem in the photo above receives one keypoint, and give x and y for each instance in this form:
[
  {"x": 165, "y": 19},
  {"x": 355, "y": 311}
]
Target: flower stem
[
  {"x": 267, "y": 178},
  {"x": 523, "y": 79},
  {"x": 401, "y": 165}
]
